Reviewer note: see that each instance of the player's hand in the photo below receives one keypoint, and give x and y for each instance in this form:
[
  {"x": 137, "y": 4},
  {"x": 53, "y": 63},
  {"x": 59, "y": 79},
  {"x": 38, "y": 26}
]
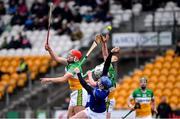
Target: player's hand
[
  {"x": 116, "y": 54},
  {"x": 98, "y": 38},
  {"x": 131, "y": 107},
  {"x": 76, "y": 70},
  {"x": 114, "y": 58},
  {"x": 47, "y": 47},
  {"x": 155, "y": 111},
  {"x": 87, "y": 80},
  {"x": 89, "y": 73},
  {"x": 137, "y": 106},
  {"x": 45, "y": 80},
  {"x": 105, "y": 39},
  {"x": 115, "y": 50}
]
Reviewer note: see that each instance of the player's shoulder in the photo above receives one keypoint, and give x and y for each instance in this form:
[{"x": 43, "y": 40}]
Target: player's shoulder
[
  {"x": 76, "y": 63},
  {"x": 137, "y": 90},
  {"x": 100, "y": 90},
  {"x": 73, "y": 65},
  {"x": 149, "y": 90},
  {"x": 101, "y": 93}
]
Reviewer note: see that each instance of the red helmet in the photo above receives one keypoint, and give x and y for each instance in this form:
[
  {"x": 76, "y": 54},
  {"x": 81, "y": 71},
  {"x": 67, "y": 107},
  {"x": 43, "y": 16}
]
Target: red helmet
[{"x": 76, "y": 53}]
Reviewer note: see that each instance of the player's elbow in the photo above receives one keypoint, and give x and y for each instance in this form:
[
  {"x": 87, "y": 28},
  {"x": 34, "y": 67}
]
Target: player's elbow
[{"x": 62, "y": 60}]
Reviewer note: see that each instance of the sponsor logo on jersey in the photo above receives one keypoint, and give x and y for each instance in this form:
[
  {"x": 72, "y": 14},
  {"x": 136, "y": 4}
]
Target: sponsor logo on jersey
[{"x": 143, "y": 100}]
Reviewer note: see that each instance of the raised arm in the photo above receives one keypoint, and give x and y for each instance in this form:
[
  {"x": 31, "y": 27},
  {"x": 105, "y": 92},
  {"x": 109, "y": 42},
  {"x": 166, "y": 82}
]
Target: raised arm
[
  {"x": 108, "y": 61},
  {"x": 107, "y": 64},
  {"x": 88, "y": 88},
  {"x": 84, "y": 75},
  {"x": 57, "y": 80},
  {"x": 54, "y": 56},
  {"x": 104, "y": 46},
  {"x": 91, "y": 80}
]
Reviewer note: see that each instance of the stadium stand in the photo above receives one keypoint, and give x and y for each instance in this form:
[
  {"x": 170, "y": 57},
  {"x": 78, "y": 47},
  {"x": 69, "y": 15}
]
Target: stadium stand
[
  {"x": 164, "y": 16},
  {"x": 37, "y": 54},
  {"x": 121, "y": 15},
  {"x": 11, "y": 79},
  {"x": 36, "y": 57},
  {"x": 74, "y": 25},
  {"x": 163, "y": 78}
]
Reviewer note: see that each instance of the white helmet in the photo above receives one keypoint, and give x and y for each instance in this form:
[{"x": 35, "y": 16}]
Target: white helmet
[{"x": 98, "y": 70}]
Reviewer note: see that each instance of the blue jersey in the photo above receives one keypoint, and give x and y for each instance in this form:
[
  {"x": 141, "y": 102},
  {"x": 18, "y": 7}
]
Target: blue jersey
[
  {"x": 97, "y": 102},
  {"x": 87, "y": 103}
]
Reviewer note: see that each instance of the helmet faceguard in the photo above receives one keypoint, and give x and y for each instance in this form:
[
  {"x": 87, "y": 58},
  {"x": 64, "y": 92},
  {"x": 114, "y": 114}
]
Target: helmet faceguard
[{"x": 106, "y": 82}]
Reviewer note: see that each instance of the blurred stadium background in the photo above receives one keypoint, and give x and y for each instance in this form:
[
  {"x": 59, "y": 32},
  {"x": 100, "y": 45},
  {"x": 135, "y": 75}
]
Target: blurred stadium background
[{"x": 147, "y": 31}]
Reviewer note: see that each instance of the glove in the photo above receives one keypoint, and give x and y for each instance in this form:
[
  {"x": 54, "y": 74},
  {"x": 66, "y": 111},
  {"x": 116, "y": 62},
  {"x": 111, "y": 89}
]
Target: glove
[{"x": 137, "y": 106}]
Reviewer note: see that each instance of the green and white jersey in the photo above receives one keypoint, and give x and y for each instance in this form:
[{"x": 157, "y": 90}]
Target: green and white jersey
[
  {"x": 144, "y": 98},
  {"x": 70, "y": 68},
  {"x": 112, "y": 75},
  {"x": 74, "y": 81}
]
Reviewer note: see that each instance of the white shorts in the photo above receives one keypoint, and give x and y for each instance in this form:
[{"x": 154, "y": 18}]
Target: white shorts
[
  {"x": 110, "y": 105},
  {"x": 78, "y": 98},
  {"x": 93, "y": 115},
  {"x": 147, "y": 117}
]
